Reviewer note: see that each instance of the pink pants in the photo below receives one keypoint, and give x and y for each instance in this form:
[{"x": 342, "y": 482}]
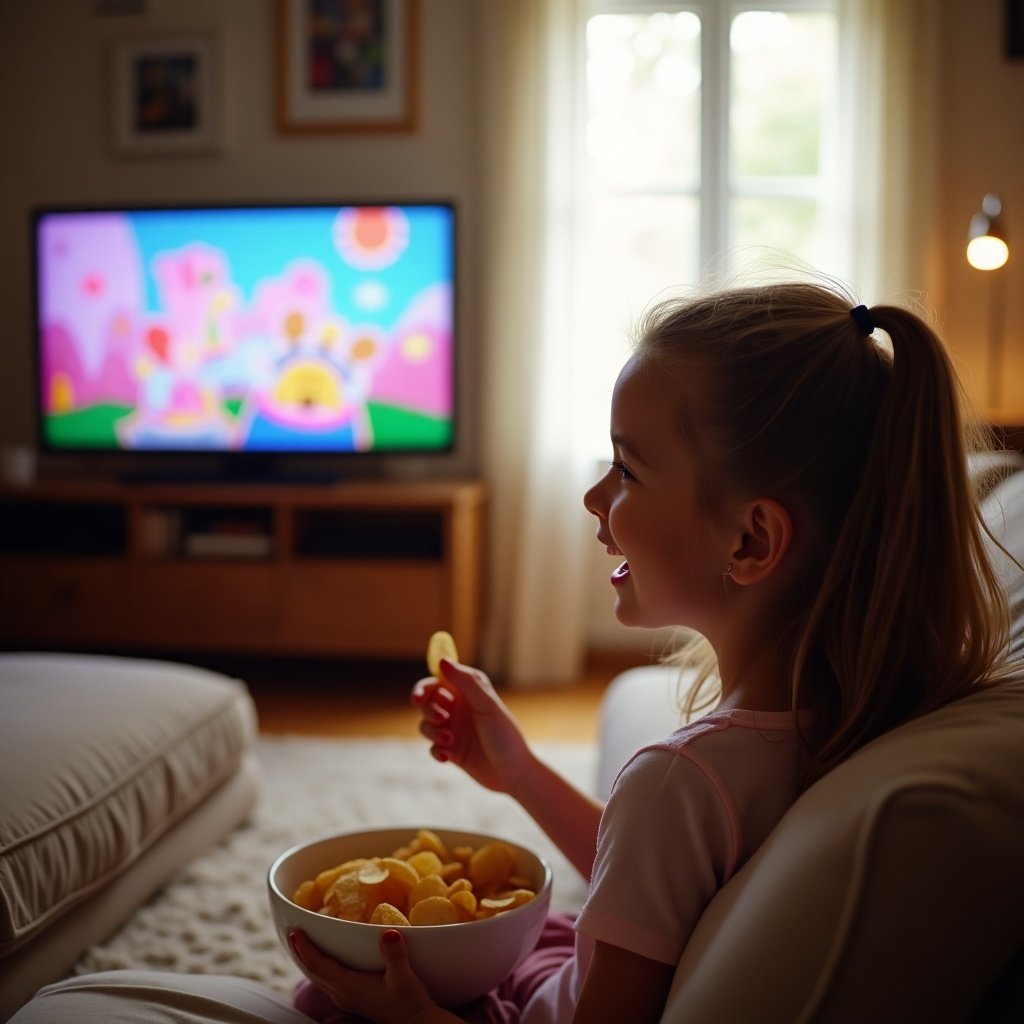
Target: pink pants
[{"x": 503, "y": 1005}]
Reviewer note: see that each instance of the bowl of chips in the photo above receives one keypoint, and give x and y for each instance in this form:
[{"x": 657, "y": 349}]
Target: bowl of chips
[{"x": 470, "y": 906}]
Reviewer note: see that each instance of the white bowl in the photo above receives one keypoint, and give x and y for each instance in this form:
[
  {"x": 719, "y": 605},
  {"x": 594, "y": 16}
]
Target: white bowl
[{"x": 457, "y": 962}]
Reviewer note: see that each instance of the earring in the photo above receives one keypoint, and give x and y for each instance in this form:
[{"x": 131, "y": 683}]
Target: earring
[{"x": 726, "y": 575}]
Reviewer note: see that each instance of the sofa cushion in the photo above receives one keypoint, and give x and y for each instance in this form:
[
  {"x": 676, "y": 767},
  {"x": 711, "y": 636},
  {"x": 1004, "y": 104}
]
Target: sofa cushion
[
  {"x": 1003, "y": 510},
  {"x": 100, "y": 757}
]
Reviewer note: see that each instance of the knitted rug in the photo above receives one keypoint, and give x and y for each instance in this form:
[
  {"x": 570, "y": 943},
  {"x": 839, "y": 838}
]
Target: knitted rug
[{"x": 214, "y": 916}]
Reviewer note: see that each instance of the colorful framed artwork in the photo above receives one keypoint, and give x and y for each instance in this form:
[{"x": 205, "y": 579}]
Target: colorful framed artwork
[
  {"x": 166, "y": 96},
  {"x": 346, "y": 65}
]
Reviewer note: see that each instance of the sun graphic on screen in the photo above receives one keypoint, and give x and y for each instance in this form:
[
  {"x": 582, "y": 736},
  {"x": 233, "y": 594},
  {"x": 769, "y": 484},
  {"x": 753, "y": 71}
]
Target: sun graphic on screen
[{"x": 371, "y": 237}]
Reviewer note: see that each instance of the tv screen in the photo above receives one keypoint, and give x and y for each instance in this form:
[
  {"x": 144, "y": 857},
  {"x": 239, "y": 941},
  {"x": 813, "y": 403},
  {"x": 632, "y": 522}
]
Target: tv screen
[{"x": 287, "y": 328}]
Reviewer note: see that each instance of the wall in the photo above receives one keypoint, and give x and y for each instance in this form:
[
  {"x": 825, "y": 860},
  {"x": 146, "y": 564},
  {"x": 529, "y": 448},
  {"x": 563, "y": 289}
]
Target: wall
[
  {"x": 55, "y": 127},
  {"x": 981, "y": 149}
]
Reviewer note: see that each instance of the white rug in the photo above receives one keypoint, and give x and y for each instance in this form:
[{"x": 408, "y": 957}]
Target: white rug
[{"x": 214, "y": 917}]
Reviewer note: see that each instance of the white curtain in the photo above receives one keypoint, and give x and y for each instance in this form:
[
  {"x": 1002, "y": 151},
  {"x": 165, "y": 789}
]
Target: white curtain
[
  {"x": 533, "y": 70},
  {"x": 888, "y": 138}
]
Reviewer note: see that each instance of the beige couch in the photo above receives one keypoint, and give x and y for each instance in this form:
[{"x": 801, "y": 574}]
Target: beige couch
[{"x": 892, "y": 889}]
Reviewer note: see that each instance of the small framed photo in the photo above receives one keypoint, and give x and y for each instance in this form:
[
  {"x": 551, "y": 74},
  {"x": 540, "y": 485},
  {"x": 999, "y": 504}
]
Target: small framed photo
[
  {"x": 346, "y": 65},
  {"x": 166, "y": 95}
]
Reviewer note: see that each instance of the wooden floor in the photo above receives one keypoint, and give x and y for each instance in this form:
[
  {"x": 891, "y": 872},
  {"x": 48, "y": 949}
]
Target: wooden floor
[{"x": 328, "y": 698}]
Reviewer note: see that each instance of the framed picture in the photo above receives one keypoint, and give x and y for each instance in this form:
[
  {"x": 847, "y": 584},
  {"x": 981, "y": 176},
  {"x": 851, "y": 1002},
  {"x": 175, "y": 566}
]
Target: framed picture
[
  {"x": 166, "y": 95},
  {"x": 346, "y": 65}
]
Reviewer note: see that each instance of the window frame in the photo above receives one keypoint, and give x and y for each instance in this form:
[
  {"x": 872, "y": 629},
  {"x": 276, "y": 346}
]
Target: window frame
[{"x": 718, "y": 186}]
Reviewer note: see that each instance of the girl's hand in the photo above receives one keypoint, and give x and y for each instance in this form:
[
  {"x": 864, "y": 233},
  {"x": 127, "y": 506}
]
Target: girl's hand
[
  {"x": 467, "y": 723},
  {"x": 394, "y": 996}
]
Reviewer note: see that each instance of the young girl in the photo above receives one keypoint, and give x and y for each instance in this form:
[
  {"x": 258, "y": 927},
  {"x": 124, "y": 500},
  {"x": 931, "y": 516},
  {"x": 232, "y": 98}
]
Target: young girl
[{"x": 782, "y": 484}]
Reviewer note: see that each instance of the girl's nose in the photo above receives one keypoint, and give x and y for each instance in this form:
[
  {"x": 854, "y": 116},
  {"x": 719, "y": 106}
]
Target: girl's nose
[{"x": 592, "y": 502}]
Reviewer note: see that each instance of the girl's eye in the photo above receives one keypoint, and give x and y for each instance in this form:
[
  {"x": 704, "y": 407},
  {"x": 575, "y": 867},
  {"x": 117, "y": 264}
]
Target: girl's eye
[{"x": 620, "y": 468}]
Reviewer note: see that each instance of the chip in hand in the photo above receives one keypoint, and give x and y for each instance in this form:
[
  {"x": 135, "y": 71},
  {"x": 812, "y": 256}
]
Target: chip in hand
[{"x": 441, "y": 645}]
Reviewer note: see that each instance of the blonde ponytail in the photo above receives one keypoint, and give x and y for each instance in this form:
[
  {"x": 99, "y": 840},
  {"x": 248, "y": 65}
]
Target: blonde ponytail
[{"x": 910, "y": 614}]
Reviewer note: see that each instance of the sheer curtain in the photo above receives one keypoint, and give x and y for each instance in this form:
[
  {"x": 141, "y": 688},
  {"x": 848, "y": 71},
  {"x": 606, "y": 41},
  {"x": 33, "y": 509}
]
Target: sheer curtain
[
  {"x": 888, "y": 141},
  {"x": 536, "y": 464},
  {"x": 532, "y": 53}
]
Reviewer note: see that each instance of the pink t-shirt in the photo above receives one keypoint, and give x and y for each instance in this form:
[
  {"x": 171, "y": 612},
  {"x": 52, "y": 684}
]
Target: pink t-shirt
[{"x": 684, "y": 815}]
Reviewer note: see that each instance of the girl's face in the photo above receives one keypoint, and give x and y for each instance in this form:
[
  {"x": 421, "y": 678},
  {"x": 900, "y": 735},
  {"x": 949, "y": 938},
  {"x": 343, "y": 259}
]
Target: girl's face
[{"x": 650, "y": 513}]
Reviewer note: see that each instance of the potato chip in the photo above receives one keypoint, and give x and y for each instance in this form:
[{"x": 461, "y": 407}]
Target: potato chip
[
  {"x": 326, "y": 879},
  {"x": 466, "y": 904},
  {"x": 507, "y": 900},
  {"x": 491, "y": 865},
  {"x": 425, "y": 888},
  {"x": 387, "y": 913},
  {"x": 452, "y": 871},
  {"x": 402, "y": 873},
  {"x": 521, "y": 896},
  {"x": 441, "y": 645},
  {"x": 431, "y": 841},
  {"x": 497, "y": 903},
  {"x": 434, "y": 910},
  {"x": 345, "y": 898},
  {"x": 426, "y": 863},
  {"x": 308, "y": 896},
  {"x": 380, "y": 885},
  {"x": 373, "y": 874}
]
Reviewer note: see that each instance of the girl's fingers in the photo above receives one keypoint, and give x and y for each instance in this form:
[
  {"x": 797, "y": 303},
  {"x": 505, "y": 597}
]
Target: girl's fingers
[
  {"x": 430, "y": 689},
  {"x": 392, "y": 949},
  {"x": 422, "y": 690},
  {"x": 437, "y": 733},
  {"x": 470, "y": 684},
  {"x": 319, "y": 966},
  {"x": 435, "y": 714}
]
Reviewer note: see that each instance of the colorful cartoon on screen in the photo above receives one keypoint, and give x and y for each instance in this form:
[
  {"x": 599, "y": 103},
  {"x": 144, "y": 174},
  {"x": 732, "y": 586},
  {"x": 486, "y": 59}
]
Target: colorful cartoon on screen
[{"x": 300, "y": 329}]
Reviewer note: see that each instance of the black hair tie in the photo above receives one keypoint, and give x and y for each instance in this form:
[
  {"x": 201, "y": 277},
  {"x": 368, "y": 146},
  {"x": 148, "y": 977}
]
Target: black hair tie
[{"x": 862, "y": 316}]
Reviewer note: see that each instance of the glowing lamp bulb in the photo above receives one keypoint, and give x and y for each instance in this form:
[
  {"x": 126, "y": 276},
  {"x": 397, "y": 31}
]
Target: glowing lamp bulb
[
  {"x": 986, "y": 237},
  {"x": 986, "y": 252}
]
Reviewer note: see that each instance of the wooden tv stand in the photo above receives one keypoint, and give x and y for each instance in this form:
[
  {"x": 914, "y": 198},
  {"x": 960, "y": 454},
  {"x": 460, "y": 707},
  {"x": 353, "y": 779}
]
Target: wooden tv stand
[{"x": 352, "y": 569}]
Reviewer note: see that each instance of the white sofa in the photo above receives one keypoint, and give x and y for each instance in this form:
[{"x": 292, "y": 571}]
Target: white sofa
[{"x": 891, "y": 891}]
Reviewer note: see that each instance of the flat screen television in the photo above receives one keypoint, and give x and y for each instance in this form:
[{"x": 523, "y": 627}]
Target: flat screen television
[{"x": 239, "y": 330}]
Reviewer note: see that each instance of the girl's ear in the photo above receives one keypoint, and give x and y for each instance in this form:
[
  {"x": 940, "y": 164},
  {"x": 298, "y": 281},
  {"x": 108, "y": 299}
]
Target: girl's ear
[{"x": 765, "y": 539}]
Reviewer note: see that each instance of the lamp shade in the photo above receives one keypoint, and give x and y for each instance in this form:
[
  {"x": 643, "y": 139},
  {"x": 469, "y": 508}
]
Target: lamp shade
[{"x": 987, "y": 247}]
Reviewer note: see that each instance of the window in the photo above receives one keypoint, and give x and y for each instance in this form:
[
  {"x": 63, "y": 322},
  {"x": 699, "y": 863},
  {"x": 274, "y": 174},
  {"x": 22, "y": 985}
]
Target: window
[{"x": 710, "y": 130}]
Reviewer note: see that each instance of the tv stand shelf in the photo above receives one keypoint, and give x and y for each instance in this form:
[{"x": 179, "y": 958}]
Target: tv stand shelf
[{"x": 352, "y": 569}]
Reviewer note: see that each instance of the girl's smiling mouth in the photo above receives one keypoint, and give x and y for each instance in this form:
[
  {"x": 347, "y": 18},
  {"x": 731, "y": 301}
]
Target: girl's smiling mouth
[{"x": 621, "y": 573}]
